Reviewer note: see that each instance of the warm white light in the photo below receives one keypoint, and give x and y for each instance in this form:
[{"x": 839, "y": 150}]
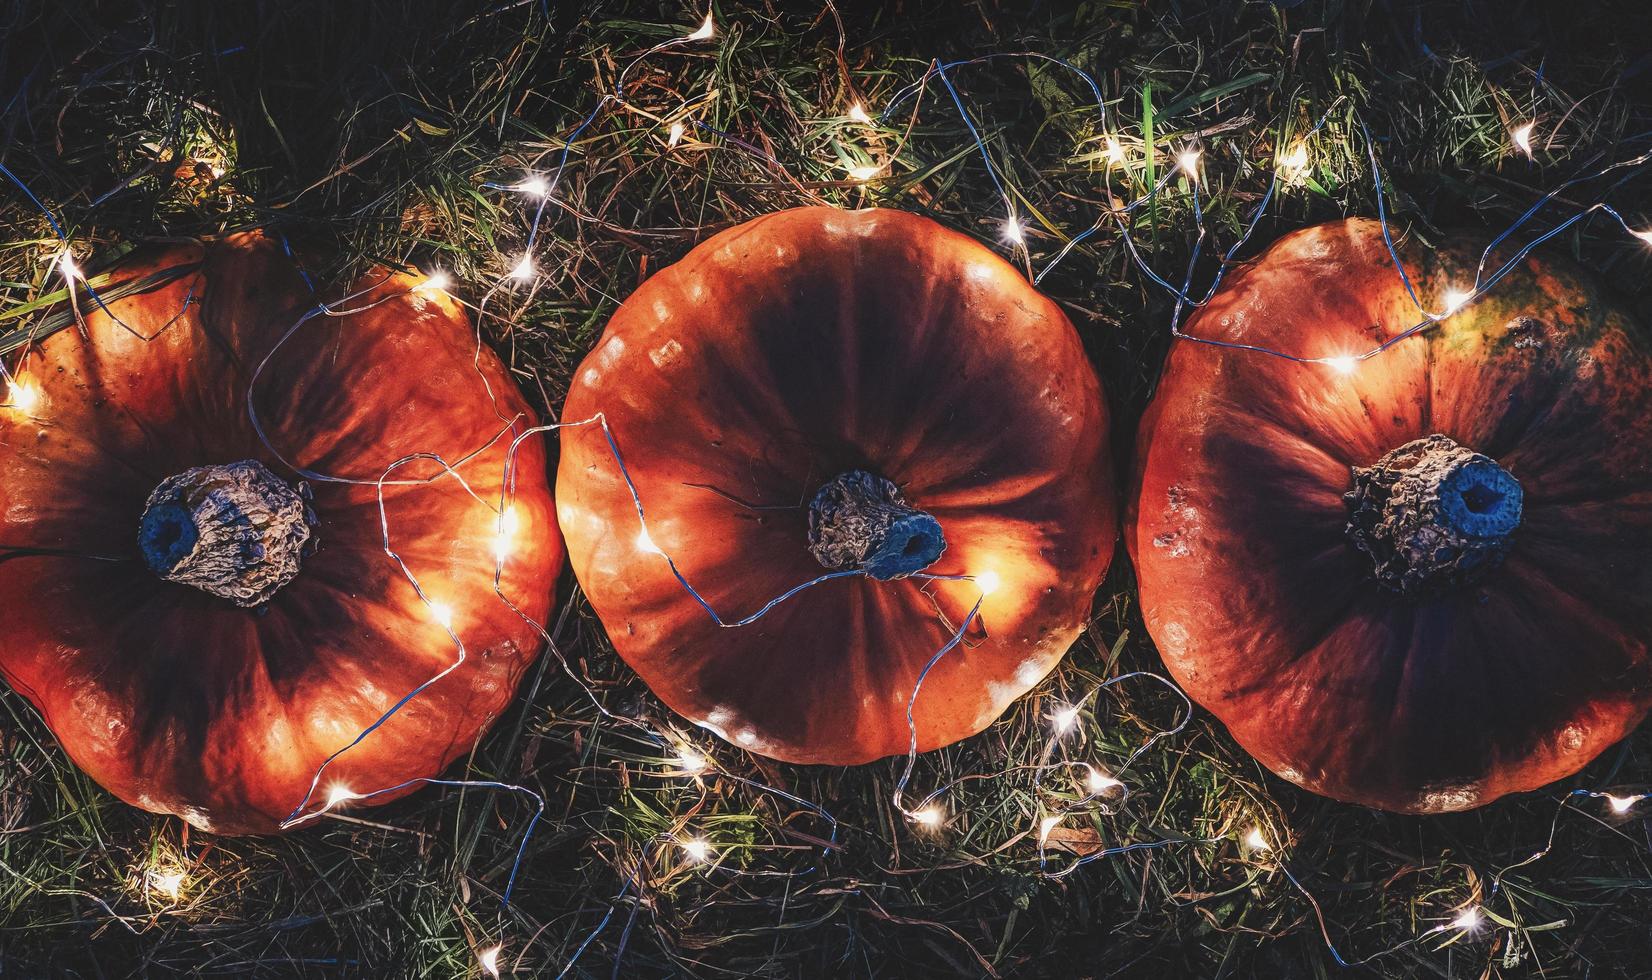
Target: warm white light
[
  {"x": 857, "y": 112},
  {"x": 534, "y": 186},
  {"x": 691, "y": 761},
  {"x": 505, "y": 534},
  {"x": 1064, "y": 719},
  {"x": 703, "y": 31},
  {"x": 864, "y": 173},
  {"x": 1454, "y": 300},
  {"x": 489, "y": 958},
  {"x": 524, "y": 269},
  {"x": 338, "y": 794},
  {"x": 1098, "y": 781},
  {"x": 1115, "y": 151},
  {"x": 1256, "y": 842},
  {"x": 675, "y": 134},
  {"x": 1046, "y": 825},
  {"x": 1469, "y": 920},
  {"x": 697, "y": 850},
  {"x": 434, "y": 283},
  {"x": 987, "y": 581},
  {"x": 1645, "y": 236},
  {"x": 1522, "y": 135},
  {"x": 67, "y": 265},
  {"x": 1188, "y": 162},
  {"x": 646, "y": 543},
  {"x": 442, "y": 613},
  {"x": 1013, "y": 232},
  {"x": 23, "y": 396},
  {"x": 168, "y": 883},
  {"x": 1343, "y": 365},
  {"x": 929, "y": 816},
  {"x": 1621, "y": 804},
  {"x": 1293, "y": 161}
]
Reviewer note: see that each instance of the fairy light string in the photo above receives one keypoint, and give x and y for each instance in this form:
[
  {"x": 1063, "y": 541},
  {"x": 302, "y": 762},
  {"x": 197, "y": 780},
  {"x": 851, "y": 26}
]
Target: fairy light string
[{"x": 1103, "y": 791}]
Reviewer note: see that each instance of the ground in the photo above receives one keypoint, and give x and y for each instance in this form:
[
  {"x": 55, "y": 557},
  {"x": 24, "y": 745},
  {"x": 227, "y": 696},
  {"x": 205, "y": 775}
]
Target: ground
[{"x": 373, "y": 129}]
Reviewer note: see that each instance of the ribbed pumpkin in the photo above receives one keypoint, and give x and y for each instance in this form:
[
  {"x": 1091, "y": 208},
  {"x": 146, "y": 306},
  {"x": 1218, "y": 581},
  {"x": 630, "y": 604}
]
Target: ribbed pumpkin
[
  {"x": 821, "y": 390},
  {"x": 1426, "y": 583},
  {"x": 200, "y": 626}
]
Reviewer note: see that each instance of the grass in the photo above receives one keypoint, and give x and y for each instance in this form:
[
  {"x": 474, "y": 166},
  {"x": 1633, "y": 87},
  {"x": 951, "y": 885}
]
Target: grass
[{"x": 372, "y": 127}]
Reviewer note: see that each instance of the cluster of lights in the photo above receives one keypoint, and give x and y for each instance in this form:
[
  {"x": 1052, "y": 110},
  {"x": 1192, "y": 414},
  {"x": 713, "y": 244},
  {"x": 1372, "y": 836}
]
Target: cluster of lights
[{"x": 1292, "y": 164}]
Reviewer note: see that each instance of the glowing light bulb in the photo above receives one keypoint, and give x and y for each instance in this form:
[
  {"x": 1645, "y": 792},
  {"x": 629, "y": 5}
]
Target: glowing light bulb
[
  {"x": 489, "y": 958},
  {"x": 1294, "y": 161},
  {"x": 1256, "y": 842},
  {"x": 1645, "y": 236},
  {"x": 442, "y": 613},
  {"x": 67, "y": 265},
  {"x": 23, "y": 396},
  {"x": 1469, "y": 920},
  {"x": 857, "y": 112},
  {"x": 1065, "y": 719},
  {"x": 505, "y": 534},
  {"x": 1046, "y": 825},
  {"x": 987, "y": 581},
  {"x": 534, "y": 186},
  {"x": 697, "y": 850},
  {"x": 1522, "y": 136},
  {"x": 1454, "y": 300},
  {"x": 929, "y": 817},
  {"x": 674, "y": 135},
  {"x": 338, "y": 794},
  {"x": 436, "y": 282},
  {"x": 1343, "y": 365},
  {"x": 864, "y": 173},
  {"x": 168, "y": 882},
  {"x": 523, "y": 270},
  {"x": 1188, "y": 162},
  {"x": 1621, "y": 804},
  {"x": 1013, "y": 232},
  {"x": 704, "y": 31},
  {"x": 1098, "y": 781},
  {"x": 1115, "y": 150},
  {"x": 646, "y": 543}
]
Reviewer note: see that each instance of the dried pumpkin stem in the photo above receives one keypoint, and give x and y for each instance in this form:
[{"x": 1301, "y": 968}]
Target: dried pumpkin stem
[
  {"x": 1433, "y": 516},
  {"x": 237, "y": 531},
  {"x": 859, "y": 520}
]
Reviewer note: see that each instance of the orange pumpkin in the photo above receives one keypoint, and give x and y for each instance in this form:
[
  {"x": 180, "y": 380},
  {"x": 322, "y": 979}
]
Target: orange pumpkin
[
  {"x": 198, "y": 625},
  {"x": 822, "y": 390},
  {"x": 1423, "y": 584}
]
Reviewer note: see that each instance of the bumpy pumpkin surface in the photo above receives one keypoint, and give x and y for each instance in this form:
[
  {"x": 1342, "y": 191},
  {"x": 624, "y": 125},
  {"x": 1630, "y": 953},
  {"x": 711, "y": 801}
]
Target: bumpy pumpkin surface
[
  {"x": 284, "y": 630},
  {"x": 791, "y": 386},
  {"x": 1427, "y": 583}
]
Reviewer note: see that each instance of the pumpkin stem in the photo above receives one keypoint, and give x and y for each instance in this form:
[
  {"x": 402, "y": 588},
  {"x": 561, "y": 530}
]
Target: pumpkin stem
[
  {"x": 1433, "y": 516},
  {"x": 236, "y": 531},
  {"x": 858, "y": 520}
]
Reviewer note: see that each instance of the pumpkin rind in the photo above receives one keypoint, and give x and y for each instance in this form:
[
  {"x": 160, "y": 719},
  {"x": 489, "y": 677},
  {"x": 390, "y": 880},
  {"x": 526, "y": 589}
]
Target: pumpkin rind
[
  {"x": 1269, "y": 616},
  {"x": 789, "y": 351},
  {"x": 179, "y": 701}
]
